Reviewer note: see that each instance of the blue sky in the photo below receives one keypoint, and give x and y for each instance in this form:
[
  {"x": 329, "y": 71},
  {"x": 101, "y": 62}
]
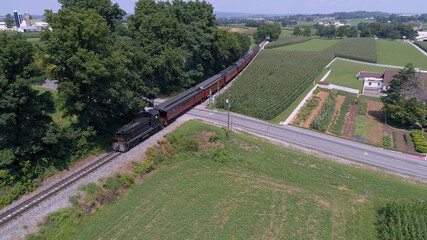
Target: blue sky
[{"x": 251, "y": 6}]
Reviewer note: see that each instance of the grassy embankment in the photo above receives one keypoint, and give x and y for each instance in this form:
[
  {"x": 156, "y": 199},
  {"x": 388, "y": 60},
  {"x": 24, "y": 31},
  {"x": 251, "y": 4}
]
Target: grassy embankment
[
  {"x": 259, "y": 191},
  {"x": 400, "y": 54}
]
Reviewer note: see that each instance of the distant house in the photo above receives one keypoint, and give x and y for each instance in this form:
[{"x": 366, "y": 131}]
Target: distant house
[
  {"x": 374, "y": 83},
  {"x": 422, "y": 36},
  {"x": 3, "y": 26}
]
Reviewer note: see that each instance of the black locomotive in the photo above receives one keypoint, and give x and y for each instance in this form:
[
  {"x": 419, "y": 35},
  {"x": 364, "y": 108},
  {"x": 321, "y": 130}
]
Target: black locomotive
[{"x": 138, "y": 130}]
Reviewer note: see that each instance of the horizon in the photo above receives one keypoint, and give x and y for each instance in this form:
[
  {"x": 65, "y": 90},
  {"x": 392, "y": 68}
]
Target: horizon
[{"x": 252, "y": 7}]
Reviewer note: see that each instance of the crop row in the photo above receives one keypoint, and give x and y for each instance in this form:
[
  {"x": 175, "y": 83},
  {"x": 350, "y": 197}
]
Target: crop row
[
  {"x": 422, "y": 45},
  {"x": 306, "y": 110},
  {"x": 360, "y": 49},
  {"x": 324, "y": 117},
  {"x": 272, "y": 82},
  {"x": 337, "y": 126},
  {"x": 287, "y": 40},
  {"x": 403, "y": 219}
]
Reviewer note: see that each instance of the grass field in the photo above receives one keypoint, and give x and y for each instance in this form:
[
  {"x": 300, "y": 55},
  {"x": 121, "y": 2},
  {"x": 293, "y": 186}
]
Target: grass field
[
  {"x": 355, "y": 22},
  {"x": 286, "y": 32},
  {"x": 399, "y": 54},
  {"x": 344, "y": 74},
  {"x": 422, "y": 45},
  {"x": 315, "y": 45},
  {"x": 261, "y": 192}
]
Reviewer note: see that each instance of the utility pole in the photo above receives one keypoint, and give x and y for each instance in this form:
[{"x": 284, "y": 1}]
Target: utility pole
[{"x": 228, "y": 115}]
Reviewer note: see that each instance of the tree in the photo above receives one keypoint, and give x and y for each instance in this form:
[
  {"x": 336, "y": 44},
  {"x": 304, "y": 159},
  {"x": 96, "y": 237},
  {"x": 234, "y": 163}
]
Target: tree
[
  {"x": 110, "y": 12},
  {"x": 400, "y": 103},
  {"x": 341, "y": 32},
  {"x": 79, "y": 50},
  {"x": 367, "y": 32},
  {"x": 297, "y": 31},
  {"x": 26, "y": 129},
  {"x": 9, "y": 20},
  {"x": 307, "y": 31},
  {"x": 330, "y": 31},
  {"x": 267, "y": 29},
  {"x": 352, "y": 32}
]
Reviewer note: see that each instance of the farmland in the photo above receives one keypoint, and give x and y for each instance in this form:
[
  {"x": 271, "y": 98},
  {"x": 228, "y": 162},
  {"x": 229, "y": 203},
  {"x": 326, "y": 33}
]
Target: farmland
[
  {"x": 355, "y": 118},
  {"x": 312, "y": 45},
  {"x": 400, "y": 54},
  {"x": 261, "y": 191},
  {"x": 276, "y": 78},
  {"x": 287, "y": 40},
  {"x": 272, "y": 82}
]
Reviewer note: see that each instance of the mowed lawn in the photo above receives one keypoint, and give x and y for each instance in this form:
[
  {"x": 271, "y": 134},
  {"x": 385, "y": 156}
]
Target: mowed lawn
[
  {"x": 400, "y": 54},
  {"x": 344, "y": 74},
  {"x": 262, "y": 192},
  {"x": 315, "y": 45}
]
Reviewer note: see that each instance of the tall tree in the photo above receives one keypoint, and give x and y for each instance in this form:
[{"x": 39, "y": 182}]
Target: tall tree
[
  {"x": 400, "y": 102},
  {"x": 26, "y": 130},
  {"x": 352, "y": 32},
  {"x": 297, "y": 31},
  {"x": 267, "y": 29},
  {"x": 341, "y": 32},
  {"x": 307, "y": 31},
  {"x": 9, "y": 20},
  {"x": 79, "y": 49},
  {"x": 110, "y": 12}
]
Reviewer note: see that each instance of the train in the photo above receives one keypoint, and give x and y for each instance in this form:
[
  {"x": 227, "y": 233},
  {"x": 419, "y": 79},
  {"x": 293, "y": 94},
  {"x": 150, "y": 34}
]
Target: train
[{"x": 155, "y": 119}]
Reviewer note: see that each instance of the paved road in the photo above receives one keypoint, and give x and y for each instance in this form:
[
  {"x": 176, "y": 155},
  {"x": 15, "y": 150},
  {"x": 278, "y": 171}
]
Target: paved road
[{"x": 377, "y": 157}]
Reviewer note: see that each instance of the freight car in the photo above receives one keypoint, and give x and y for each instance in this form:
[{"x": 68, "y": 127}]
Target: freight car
[{"x": 153, "y": 120}]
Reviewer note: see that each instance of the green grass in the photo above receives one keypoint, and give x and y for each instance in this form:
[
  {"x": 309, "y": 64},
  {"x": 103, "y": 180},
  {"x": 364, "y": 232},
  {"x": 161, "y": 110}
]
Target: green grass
[
  {"x": 286, "y": 32},
  {"x": 422, "y": 45},
  {"x": 344, "y": 74},
  {"x": 375, "y": 99},
  {"x": 315, "y": 45},
  {"x": 265, "y": 192},
  {"x": 399, "y": 54},
  {"x": 361, "y": 126}
]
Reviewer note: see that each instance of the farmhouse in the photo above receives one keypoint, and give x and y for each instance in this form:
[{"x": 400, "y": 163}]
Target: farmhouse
[{"x": 374, "y": 83}]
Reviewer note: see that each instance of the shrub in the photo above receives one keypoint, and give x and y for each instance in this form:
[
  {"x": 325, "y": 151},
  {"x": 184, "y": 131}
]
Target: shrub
[
  {"x": 113, "y": 184},
  {"x": 221, "y": 155},
  {"x": 394, "y": 140},
  {"x": 419, "y": 141},
  {"x": 213, "y": 139},
  {"x": 363, "y": 107},
  {"x": 407, "y": 139},
  {"x": 142, "y": 167},
  {"x": 127, "y": 180},
  {"x": 386, "y": 141},
  {"x": 324, "y": 117}
]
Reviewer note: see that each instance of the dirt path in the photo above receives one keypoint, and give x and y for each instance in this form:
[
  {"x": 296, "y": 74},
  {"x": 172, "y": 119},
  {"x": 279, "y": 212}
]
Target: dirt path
[
  {"x": 340, "y": 101},
  {"x": 323, "y": 96},
  {"x": 348, "y": 129}
]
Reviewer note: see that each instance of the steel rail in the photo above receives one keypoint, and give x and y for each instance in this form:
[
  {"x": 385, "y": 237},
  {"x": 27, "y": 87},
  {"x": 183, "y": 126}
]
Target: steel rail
[{"x": 38, "y": 197}]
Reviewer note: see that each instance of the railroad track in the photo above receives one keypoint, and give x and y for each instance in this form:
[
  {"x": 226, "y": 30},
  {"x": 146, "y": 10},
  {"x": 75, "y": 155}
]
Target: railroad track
[{"x": 35, "y": 199}]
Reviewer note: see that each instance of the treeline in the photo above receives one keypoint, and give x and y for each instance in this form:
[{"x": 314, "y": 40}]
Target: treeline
[
  {"x": 393, "y": 18},
  {"x": 386, "y": 30},
  {"x": 104, "y": 70}
]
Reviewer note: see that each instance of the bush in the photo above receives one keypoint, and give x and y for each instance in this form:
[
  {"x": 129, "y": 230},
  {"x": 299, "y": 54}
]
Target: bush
[
  {"x": 142, "y": 167},
  {"x": 419, "y": 141},
  {"x": 213, "y": 139},
  {"x": 407, "y": 139},
  {"x": 127, "y": 180},
  {"x": 363, "y": 107},
  {"x": 386, "y": 141},
  {"x": 221, "y": 155}
]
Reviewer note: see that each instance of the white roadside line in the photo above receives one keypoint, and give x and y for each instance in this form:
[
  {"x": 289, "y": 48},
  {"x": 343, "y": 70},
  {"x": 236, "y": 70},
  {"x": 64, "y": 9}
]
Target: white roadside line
[{"x": 286, "y": 122}]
